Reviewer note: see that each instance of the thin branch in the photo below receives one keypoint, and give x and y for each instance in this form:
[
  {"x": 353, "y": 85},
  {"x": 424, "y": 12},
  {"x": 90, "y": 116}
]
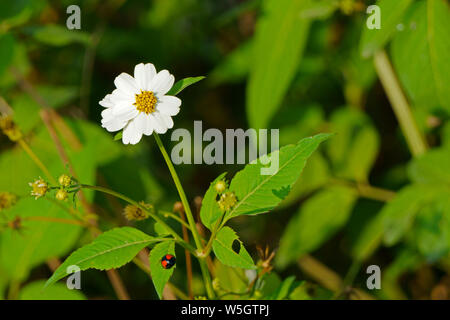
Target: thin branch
[
  {"x": 327, "y": 277},
  {"x": 402, "y": 110},
  {"x": 188, "y": 257},
  {"x": 117, "y": 284}
]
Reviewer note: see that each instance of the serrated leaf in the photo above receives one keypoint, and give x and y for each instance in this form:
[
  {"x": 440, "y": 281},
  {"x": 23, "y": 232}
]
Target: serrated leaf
[
  {"x": 392, "y": 13},
  {"x": 183, "y": 84},
  {"x": 210, "y": 211},
  {"x": 225, "y": 251},
  {"x": 280, "y": 38},
  {"x": 317, "y": 220},
  {"x": 161, "y": 276},
  {"x": 109, "y": 250},
  {"x": 258, "y": 193}
]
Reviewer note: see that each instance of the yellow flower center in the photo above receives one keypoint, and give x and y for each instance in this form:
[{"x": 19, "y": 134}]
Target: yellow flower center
[{"x": 145, "y": 102}]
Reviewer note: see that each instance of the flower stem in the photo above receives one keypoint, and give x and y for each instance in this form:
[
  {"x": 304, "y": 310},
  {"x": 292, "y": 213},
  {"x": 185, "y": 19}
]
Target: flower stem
[
  {"x": 402, "y": 110},
  {"x": 189, "y": 216},
  {"x": 154, "y": 216},
  {"x": 175, "y": 217},
  {"x": 36, "y": 160}
]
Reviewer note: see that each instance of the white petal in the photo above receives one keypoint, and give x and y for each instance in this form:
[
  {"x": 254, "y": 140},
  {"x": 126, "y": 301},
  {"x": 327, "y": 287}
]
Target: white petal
[
  {"x": 167, "y": 120},
  {"x": 143, "y": 123},
  {"x": 126, "y": 84},
  {"x": 148, "y": 126},
  {"x": 123, "y": 107},
  {"x": 113, "y": 125},
  {"x": 131, "y": 133},
  {"x": 107, "y": 101},
  {"x": 157, "y": 123},
  {"x": 107, "y": 114},
  {"x": 117, "y": 96},
  {"x": 144, "y": 73},
  {"x": 168, "y": 105},
  {"x": 162, "y": 82}
]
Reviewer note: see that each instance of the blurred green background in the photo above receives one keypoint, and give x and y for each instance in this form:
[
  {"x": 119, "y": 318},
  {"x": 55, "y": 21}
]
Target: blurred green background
[{"x": 302, "y": 66}]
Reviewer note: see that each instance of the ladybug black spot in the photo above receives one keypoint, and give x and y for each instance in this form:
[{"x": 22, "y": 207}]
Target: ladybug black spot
[{"x": 168, "y": 261}]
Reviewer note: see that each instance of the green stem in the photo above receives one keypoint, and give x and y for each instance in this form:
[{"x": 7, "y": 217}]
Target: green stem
[
  {"x": 208, "y": 246},
  {"x": 189, "y": 216},
  {"x": 37, "y": 161},
  {"x": 175, "y": 217},
  {"x": 402, "y": 110},
  {"x": 151, "y": 214}
]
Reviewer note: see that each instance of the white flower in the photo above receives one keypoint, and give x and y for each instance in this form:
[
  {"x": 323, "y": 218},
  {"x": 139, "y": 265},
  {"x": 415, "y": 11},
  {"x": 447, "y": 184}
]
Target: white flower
[{"x": 139, "y": 105}]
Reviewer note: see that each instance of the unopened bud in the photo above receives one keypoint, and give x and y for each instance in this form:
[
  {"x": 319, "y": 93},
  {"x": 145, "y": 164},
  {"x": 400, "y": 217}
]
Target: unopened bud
[
  {"x": 220, "y": 186},
  {"x": 61, "y": 195},
  {"x": 64, "y": 180}
]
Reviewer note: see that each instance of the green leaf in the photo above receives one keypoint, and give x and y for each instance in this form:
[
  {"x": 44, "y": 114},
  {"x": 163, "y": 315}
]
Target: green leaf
[
  {"x": 406, "y": 260},
  {"x": 369, "y": 239},
  {"x": 161, "y": 276},
  {"x": 419, "y": 55},
  {"x": 12, "y": 9},
  {"x": 319, "y": 9},
  {"x": 234, "y": 67},
  {"x": 210, "y": 211},
  {"x": 57, "y": 35},
  {"x": 432, "y": 167},
  {"x": 160, "y": 229},
  {"x": 399, "y": 214},
  {"x": 284, "y": 289},
  {"x": 439, "y": 45},
  {"x": 183, "y": 84},
  {"x": 7, "y": 45},
  {"x": 231, "y": 251},
  {"x": 355, "y": 146},
  {"x": 36, "y": 291},
  {"x": 392, "y": 13},
  {"x": 231, "y": 280},
  {"x": 258, "y": 193},
  {"x": 176, "y": 89},
  {"x": 109, "y": 250},
  {"x": 317, "y": 220},
  {"x": 432, "y": 229},
  {"x": 118, "y": 136},
  {"x": 39, "y": 240},
  {"x": 280, "y": 38},
  {"x": 315, "y": 175}
]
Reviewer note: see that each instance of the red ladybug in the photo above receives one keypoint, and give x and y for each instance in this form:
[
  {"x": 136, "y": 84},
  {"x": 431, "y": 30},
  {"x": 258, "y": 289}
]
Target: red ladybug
[{"x": 168, "y": 261}]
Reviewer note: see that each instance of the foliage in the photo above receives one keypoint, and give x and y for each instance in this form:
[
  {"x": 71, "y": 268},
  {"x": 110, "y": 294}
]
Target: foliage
[{"x": 348, "y": 192}]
